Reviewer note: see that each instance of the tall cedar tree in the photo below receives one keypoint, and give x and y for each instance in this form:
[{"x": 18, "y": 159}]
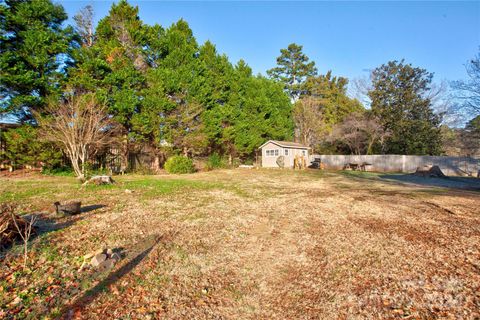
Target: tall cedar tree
[
  {"x": 399, "y": 99},
  {"x": 172, "y": 108},
  {"x": 293, "y": 68},
  {"x": 33, "y": 45}
]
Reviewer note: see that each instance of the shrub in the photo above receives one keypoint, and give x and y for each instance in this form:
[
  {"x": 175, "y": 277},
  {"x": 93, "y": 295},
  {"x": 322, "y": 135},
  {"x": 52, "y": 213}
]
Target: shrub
[
  {"x": 24, "y": 147},
  {"x": 248, "y": 161},
  {"x": 215, "y": 161},
  {"x": 179, "y": 164},
  {"x": 62, "y": 171}
]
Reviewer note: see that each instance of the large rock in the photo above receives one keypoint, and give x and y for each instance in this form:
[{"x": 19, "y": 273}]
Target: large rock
[
  {"x": 106, "y": 265},
  {"x": 98, "y": 259},
  {"x": 115, "y": 256}
]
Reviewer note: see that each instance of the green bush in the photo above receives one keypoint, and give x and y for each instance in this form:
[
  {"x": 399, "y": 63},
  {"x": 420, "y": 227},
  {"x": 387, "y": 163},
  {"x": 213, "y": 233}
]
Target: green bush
[
  {"x": 248, "y": 161},
  {"x": 179, "y": 164},
  {"x": 62, "y": 171},
  {"x": 25, "y": 147},
  {"x": 215, "y": 161}
]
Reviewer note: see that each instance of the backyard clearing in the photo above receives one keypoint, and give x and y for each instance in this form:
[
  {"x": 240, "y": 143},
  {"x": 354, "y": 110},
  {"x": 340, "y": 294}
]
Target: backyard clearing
[{"x": 248, "y": 244}]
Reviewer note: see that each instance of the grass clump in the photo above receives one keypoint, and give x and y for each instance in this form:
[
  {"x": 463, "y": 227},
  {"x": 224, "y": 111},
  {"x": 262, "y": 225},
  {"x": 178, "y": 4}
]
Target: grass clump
[
  {"x": 179, "y": 164},
  {"x": 215, "y": 161},
  {"x": 63, "y": 171}
]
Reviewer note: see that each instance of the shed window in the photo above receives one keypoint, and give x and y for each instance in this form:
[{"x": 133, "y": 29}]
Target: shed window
[
  {"x": 304, "y": 152},
  {"x": 271, "y": 153},
  {"x": 286, "y": 152}
]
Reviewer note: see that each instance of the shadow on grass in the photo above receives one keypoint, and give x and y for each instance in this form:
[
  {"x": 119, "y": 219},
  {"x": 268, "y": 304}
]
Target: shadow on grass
[
  {"x": 464, "y": 183},
  {"x": 68, "y": 312},
  {"x": 48, "y": 224},
  {"x": 85, "y": 209}
]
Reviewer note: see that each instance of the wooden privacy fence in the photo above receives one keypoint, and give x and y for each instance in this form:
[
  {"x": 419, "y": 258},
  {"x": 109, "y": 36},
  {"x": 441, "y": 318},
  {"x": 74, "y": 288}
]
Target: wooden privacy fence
[{"x": 451, "y": 166}]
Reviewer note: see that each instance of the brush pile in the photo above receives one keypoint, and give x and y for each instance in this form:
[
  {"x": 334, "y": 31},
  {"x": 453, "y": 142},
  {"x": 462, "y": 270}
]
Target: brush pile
[
  {"x": 11, "y": 225},
  {"x": 430, "y": 172}
]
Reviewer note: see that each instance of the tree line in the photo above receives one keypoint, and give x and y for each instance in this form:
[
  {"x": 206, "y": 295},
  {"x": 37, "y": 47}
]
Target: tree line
[{"x": 147, "y": 86}]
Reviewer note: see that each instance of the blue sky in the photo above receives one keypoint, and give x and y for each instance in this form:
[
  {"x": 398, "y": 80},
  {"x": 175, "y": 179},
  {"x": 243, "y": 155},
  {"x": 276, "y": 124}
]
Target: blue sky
[{"x": 347, "y": 37}]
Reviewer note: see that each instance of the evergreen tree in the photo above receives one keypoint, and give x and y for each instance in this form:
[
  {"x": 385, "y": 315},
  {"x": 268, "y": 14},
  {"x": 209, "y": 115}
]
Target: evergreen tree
[
  {"x": 400, "y": 100},
  {"x": 331, "y": 95},
  {"x": 121, "y": 37},
  {"x": 24, "y": 147},
  {"x": 265, "y": 113},
  {"x": 33, "y": 45},
  {"x": 293, "y": 68},
  {"x": 172, "y": 108},
  {"x": 221, "y": 106}
]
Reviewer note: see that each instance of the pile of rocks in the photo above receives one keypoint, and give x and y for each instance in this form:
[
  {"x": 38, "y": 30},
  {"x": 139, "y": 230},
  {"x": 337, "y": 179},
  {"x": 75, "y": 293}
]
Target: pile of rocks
[{"x": 101, "y": 260}]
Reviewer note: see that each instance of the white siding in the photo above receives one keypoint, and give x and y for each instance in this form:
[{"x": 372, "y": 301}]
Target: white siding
[{"x": 269, "y": 161}]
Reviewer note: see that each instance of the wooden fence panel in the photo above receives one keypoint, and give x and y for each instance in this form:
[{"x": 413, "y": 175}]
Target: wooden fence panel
[{"x": 451, "y": 166}]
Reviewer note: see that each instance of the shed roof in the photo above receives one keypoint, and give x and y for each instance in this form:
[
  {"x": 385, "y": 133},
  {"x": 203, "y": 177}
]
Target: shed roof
[
  {"x": 285, "y": 144},
  {"x": 8, "y": 125}
]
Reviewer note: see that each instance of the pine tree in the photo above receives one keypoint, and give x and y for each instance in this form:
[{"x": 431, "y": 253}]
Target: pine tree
[
  {"x": 33, "y": 43},
  {"x": 293, "y": 68}
]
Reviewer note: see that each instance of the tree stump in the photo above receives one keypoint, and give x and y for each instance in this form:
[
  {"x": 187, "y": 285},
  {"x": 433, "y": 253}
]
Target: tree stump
[
  {"x": 99, "y": 180},
  {"x": 432, "y": 172},
  {"x": 68, "y": 208}
]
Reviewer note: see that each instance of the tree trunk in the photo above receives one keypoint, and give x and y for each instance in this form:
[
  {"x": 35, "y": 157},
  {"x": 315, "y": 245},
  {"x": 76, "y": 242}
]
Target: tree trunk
[
  {"x": 156, "y": 163},
  {"x": 124, "y": 155}
]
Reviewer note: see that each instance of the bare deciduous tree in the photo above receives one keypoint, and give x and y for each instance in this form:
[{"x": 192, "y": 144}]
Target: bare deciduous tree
[
  {"x": 84, "y": 25},
  {"x": 25, "y": 233},
  {"x": 359, "y": 132},
  {"x": 468, "y": 91},
  {"x": 81, "y": 125},
  {"x": 309, "y": 124},
  {"x": 359, "y": 89}
]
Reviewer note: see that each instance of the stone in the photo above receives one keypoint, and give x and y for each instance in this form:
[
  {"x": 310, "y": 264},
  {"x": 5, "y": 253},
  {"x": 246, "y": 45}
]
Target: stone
[
  {"x": 100, "y": 251},
  {"x": 89, "y": 256},
  {"x": 109, "y": 252},
  {"x": 128, "y": 191},
  {"x": 16, "y": 301},
  {"x": 98, "y": 259},
  {"x": 116, "y": 256},
  {"x": 106, "y": 265},
  {"x": 84, "y": 264}
]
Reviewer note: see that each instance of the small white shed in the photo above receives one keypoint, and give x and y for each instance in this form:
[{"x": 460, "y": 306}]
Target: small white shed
[{"x": 274, "y": 153}]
